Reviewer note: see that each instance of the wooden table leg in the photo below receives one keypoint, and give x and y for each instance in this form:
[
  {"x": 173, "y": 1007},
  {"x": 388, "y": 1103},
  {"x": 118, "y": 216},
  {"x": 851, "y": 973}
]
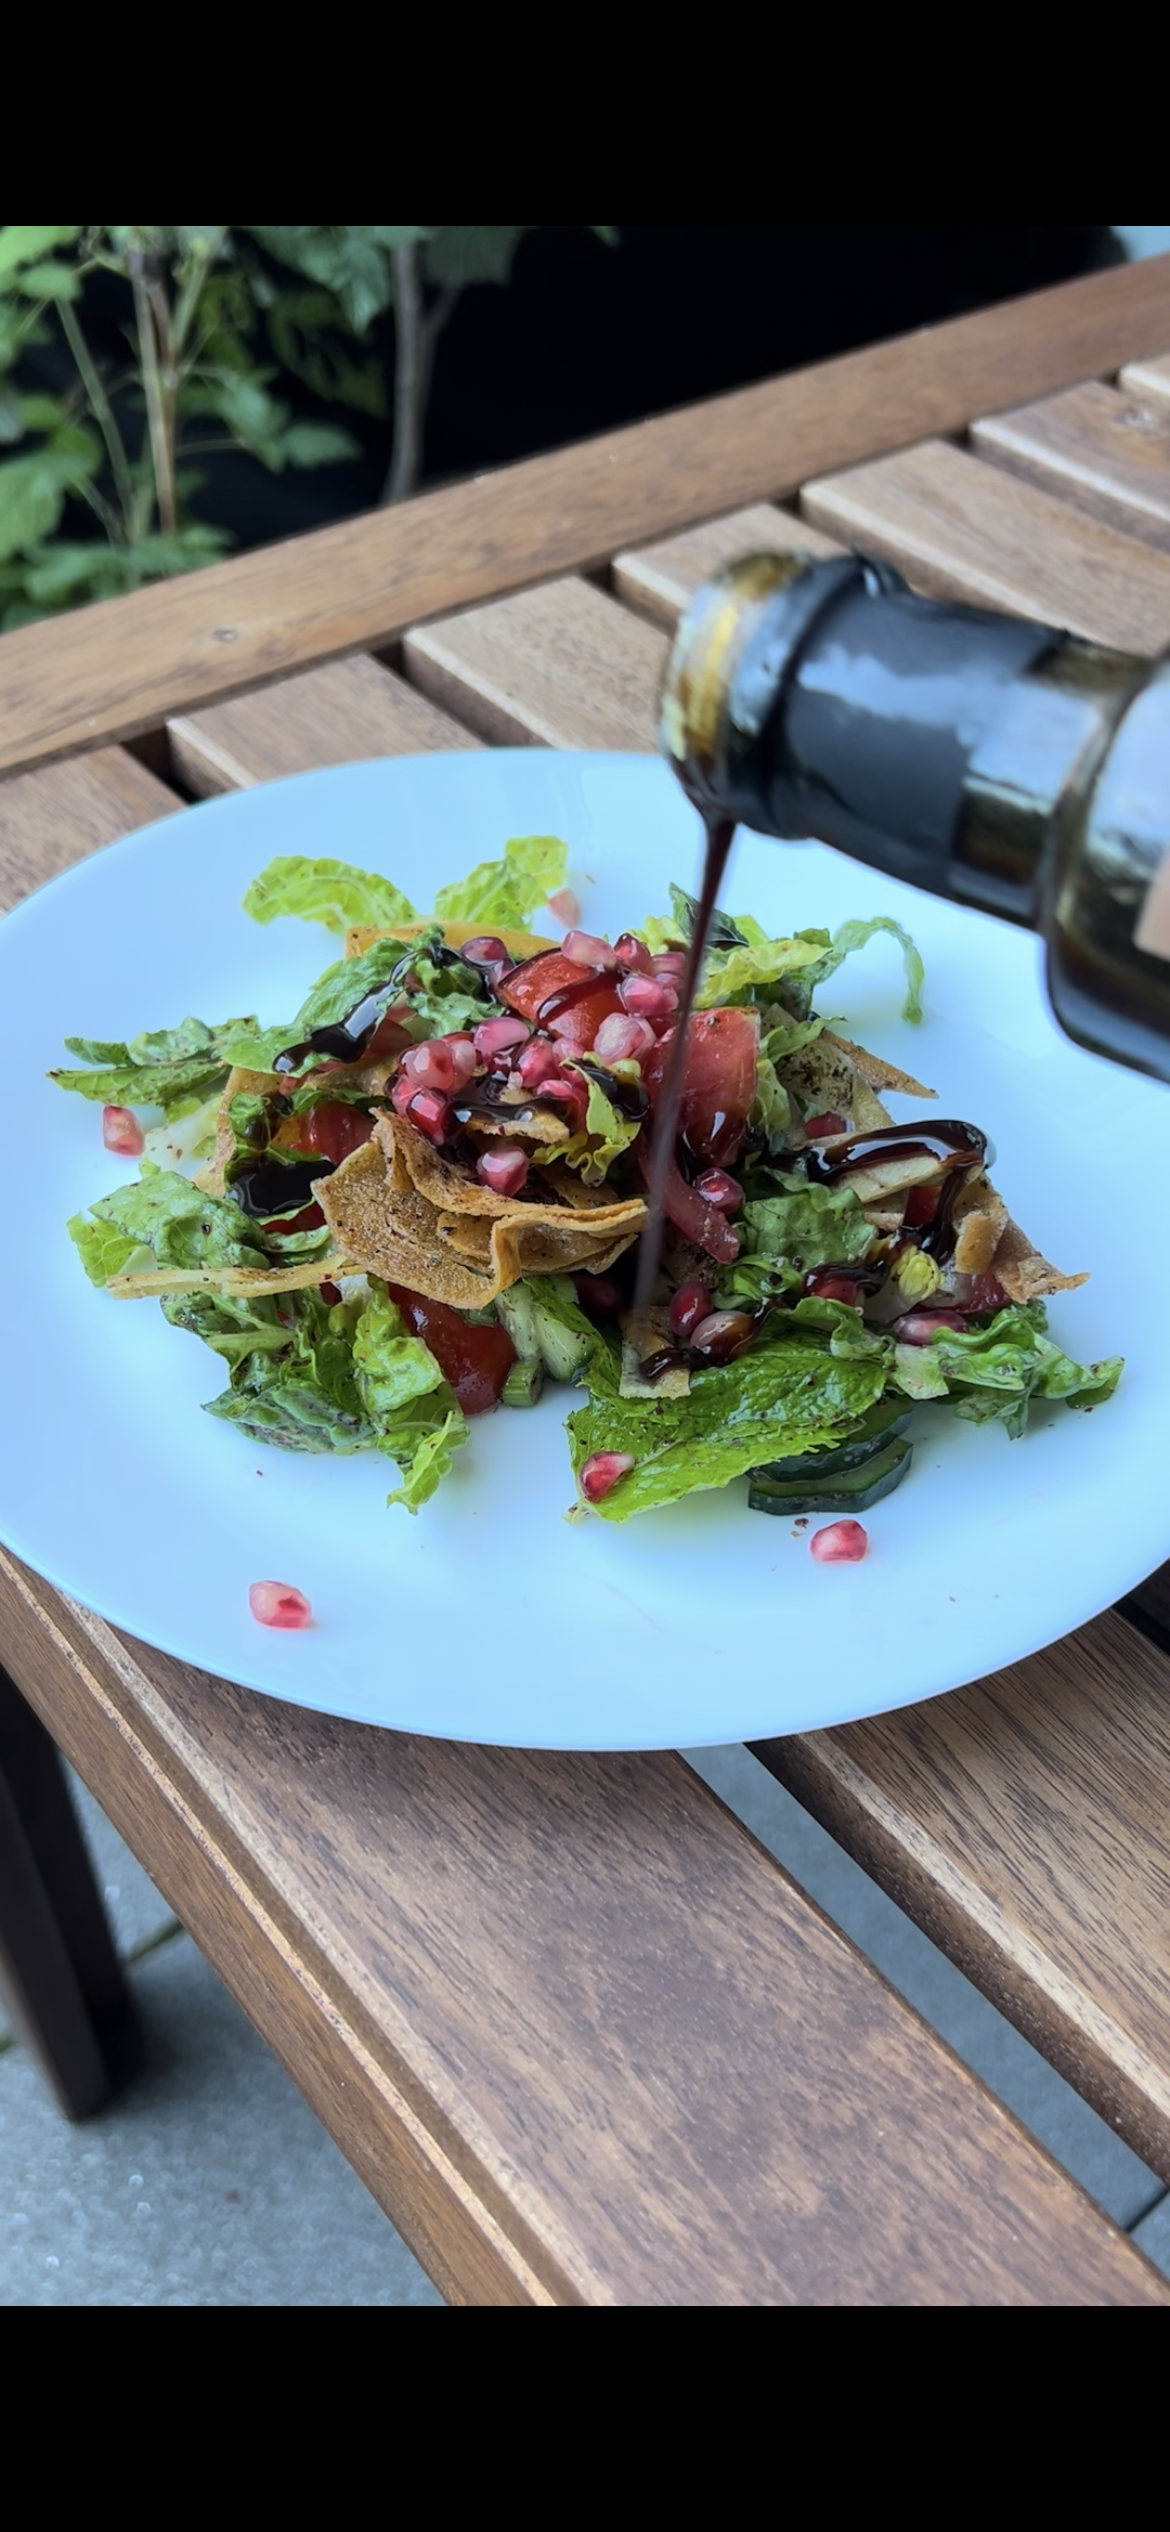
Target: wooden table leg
[{"x": 59, "y": 1972}]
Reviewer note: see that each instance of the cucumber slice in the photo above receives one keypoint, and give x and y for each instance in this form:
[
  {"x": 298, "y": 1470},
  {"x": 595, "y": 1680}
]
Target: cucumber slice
[
  {"x": 854, "y": 1490},
  {"x": 880, "y": 1424}
]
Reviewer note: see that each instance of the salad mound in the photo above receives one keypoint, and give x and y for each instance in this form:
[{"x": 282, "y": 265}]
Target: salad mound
[{"x": 423, "y": 1197}]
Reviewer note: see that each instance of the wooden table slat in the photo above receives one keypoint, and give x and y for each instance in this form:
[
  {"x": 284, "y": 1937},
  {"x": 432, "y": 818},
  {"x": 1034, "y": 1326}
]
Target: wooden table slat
[
  {"x": 661, "y": 579},
  {"x": 1023, "y": 1823},
  {"x": 961, "y": 529},
  {"x": 582, "y": 2038},
  {"x": 560, "y": 666},
  {"x": 181, "y": 645},
  {"x": 1107, "y": 453},
  {"x": 327, "y": 716},
  {"x": 1147, "y": 377},
  {"x": 51, "y": 819}
]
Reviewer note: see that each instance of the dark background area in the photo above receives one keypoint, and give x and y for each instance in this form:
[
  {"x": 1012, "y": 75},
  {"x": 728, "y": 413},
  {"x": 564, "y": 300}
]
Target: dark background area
[{"x": 587, "y": 336}]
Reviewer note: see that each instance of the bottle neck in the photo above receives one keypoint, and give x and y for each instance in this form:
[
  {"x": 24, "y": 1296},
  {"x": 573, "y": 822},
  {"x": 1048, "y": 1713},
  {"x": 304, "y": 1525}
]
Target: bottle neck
[{"x": 936, "y": 742}]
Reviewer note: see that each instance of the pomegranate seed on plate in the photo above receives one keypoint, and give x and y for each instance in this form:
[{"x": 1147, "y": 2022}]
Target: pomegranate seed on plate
[
  {"x": 715, "y": 1187},
  {"x": 670, "y": 964},
  {"x": 690, "y": 1305},
  {"x": 565, "y": 904},
  {"x": 980, "y": 1292},
  {"x": 330, "y": 1293},
  {"x": 619, "y": 1039},
  {"x": 649, "y": 997},
  {"x": 279, "y": 1604},
  {"x": 503, "y": 1169},
  {"x": 493, "y": 1037},
  {"x": 586, "y": 950},
  {"x": 539, "y": 1060},
  {"x": 430, "y": 1066},
  {"x": 431, "y": 1113},
  {"x": 463, "y": 1056},
  {"x": 599, "y": 1292},
  {"x": 841, "y": 1543},
  {"x": 603, "y": 1472},
  {"x": 723, "y": 1335},
  {"x": 918, "y": 1327},
  {"x": 121, "y": 1132},
  {"x": 569, "y": 1091},
  {"x": 830, "y": 1287},
  {"x": 487, "y": 950},
  {"x": 630, "y": 952}
]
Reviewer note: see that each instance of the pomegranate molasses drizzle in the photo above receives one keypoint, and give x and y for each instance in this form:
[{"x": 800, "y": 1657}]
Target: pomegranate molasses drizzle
[{"x": 719, "y": 833}]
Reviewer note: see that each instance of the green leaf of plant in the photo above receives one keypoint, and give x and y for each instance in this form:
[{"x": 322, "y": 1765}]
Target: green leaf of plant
[{"x": 28, "y": 246}]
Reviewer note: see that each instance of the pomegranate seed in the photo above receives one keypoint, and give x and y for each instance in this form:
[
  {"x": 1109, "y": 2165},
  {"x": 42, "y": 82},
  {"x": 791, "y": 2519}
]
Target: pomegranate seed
[
  {"x": 279, "y": 1604},
  {"x": 565, "y": 904},
  {"x": 603, "y": 1472},
  {"x": 980, "y": 1292},
  {"x": 670, "y": 964},
  {"x": 841, "y": 1543},
  {"x": 538, "y": 1062},
  {"x": 430, "y": 1066},
  {"x": 620, "y": 1039},
  {"x": 648, "y": 997},
  {"x": 919, "y": 1326},
  {"x": 503, "y": 1169},
  {"x": 690, "y": 1305},
  {"x": 586, "y": 950},
  {"x": 331, "y": 1293},
  {"x": 599, "y": 1292},
  {"x": 822, "y": 1129},
  {"x": 494, "y": 1037},
  {"x": 921, "y": 1207},
  {"x": 121, "y": 1132},
  {"x": 715, "y": 1187},
  {"x": 430, "y": 1112},
  {"x": 568, "y": 1093},
  {"x": 831, "y": 1287},
  {"x": 487, "y": 950},
  {"x": 630, "y": 952},
  {"x": 463, "y": 1056},
  {"x": 401, "y": 1094},
  {"x": 723, "y": 1335}
]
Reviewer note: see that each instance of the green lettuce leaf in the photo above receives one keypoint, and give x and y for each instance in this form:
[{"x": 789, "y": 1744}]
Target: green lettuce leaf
[
  {"x": 171, "y": 1069},
  {"x": 993, "y": 1373},
  {"x": 327, "y": 892},
  {"x": 507, "y": 893},
  {"x": 778, "y": 1399},
  {"x": 166, "y": 1214},
  {"x": 103, "y": 1250},
  {"x": 816, "y": 1225},
  {"x": 801, "y": 988},
  {"x": 583, "y": 1151},
  {"x": 412, "y": 1410}
]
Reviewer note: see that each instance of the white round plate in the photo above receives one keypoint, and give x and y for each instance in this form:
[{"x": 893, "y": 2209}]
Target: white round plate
[{"x": 488, "y": 1618}]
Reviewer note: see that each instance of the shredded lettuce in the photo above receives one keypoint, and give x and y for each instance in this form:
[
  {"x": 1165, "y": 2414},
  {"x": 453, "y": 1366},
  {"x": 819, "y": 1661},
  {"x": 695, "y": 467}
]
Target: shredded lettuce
[
  {"x": 171, "y": 1069},
  {"x": 327, "y": 892},
  {"x": 507, "y": 893}
]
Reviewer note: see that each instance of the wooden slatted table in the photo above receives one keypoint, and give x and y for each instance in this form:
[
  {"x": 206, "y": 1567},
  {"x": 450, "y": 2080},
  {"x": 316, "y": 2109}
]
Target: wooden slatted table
[{"x": 581, "y": 2036}]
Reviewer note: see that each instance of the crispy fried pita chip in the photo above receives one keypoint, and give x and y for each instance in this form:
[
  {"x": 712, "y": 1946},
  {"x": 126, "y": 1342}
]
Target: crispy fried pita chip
[
  {"x": 834, "y": 1075},
  {"x": 399, "y": 1208},
  {"x": 518, "y": 944},
  {"x": 990, "y": 1243},
  {"x": 251, "y": 1281}
]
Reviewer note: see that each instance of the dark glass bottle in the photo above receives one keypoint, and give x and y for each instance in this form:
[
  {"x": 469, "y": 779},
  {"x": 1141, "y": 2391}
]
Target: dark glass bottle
[{"x": 980, "y": 756}]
